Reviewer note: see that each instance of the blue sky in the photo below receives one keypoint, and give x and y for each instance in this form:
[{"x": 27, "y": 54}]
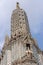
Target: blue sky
[{"x": 34, "y": 10}]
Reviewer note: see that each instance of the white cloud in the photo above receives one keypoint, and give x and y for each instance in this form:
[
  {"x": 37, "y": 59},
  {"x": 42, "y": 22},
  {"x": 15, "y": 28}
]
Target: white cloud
[
  {"x": 35, "y": 15},
  {"x": 1, "y": 44}
]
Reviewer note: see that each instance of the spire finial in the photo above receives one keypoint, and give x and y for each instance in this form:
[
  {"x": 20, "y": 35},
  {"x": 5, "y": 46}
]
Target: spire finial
[{"x": 17, "y": 5}]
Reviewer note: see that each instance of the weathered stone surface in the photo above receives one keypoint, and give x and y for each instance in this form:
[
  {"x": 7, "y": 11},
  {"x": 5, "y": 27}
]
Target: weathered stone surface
[{"x": 20, "y": 48}]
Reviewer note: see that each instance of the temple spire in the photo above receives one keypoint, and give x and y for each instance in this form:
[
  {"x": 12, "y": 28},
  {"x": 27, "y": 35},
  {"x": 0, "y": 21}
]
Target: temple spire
[{"x": 17, "y": 5}]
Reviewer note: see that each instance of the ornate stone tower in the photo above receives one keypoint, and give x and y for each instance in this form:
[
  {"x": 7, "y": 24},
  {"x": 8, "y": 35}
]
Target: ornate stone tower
[
  {"x": 20, "y": 48},
  {"x": 20, "y": 32},
  {"x": 19, "y": 22}
]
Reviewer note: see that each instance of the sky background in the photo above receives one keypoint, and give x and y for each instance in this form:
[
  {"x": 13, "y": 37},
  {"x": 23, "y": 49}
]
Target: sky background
[{"x": 34, "y": 10}]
